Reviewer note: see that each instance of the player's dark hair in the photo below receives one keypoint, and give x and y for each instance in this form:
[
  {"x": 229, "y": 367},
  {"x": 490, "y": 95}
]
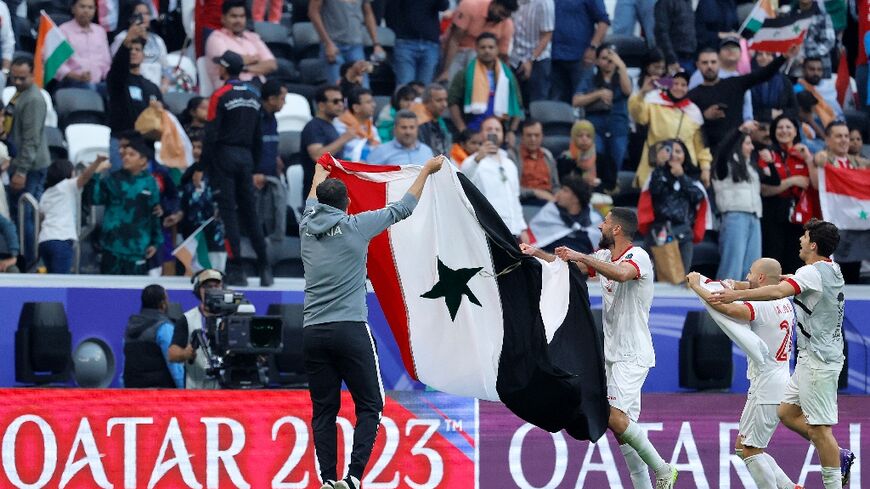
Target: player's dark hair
[
  {"x": 627, "y": 220},
  {"x": 333, "y": 192},
  {"x": 825, "y": 235}
]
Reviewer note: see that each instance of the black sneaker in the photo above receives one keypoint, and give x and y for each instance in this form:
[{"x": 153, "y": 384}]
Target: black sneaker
[
  {"x": 235, "y": 276},
  {"x": 266, "y": 278}
]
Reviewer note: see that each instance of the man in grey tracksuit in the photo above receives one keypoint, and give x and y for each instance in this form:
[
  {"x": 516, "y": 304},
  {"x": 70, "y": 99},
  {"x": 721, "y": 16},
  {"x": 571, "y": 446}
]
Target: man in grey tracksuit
[{"x": 337, "y": 343}]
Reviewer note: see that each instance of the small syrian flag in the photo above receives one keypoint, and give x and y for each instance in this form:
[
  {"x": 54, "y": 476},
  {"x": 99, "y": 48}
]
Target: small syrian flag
[
  {"x": 471, "y": 314},
  {"x": 844, "y": 194},
  {"x": 778, "y": 34},
  {"x": 646, "y": 214},
  {"x": 193, "y": 252},
  {"x": 52, "y": 51},
  {"x": 760, "y": 12}
]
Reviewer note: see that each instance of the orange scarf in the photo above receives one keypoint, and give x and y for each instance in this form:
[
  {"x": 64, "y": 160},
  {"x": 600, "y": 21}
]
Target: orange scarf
[
  {"x": 362, "y": 130},
  {"x": 822, "y": 109}
]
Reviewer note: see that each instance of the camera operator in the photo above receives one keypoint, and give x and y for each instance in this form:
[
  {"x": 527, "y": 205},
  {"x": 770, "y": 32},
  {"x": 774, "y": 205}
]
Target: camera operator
[
  {"x": 147, "y": 361},
  {"x": 337, "y": 343},
  {"x": 181, "y": 350}
]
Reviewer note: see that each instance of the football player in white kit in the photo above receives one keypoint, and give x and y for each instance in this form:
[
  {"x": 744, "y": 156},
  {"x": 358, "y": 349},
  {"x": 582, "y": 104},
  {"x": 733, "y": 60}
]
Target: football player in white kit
[
  {"x": 626, "y": 273},
  {"x": 771, "y": 321},
  {"x": 809, "y": 407}
]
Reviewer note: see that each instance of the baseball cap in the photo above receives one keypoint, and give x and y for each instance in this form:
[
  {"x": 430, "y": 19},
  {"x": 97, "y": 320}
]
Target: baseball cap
[
  {"x": 232, "y": 61},
  {"x": 729, "y": 40}
]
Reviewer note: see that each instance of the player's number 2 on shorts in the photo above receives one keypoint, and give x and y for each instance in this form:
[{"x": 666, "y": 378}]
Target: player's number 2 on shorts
[{"x": 782, "y": 353}]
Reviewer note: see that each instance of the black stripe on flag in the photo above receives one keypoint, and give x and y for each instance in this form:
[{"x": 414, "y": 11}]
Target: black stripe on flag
[
  {"x": 787, "y": 20},
  {"x": 556, "y": 386}
]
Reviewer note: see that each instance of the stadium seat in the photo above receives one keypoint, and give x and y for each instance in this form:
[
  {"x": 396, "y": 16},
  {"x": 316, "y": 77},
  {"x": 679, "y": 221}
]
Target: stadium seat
[
  {"x": 743, "y": 11},
  {"x": 307, "y": 91},
  {"x": 185, "y": 63},
  {"x": 56, "y": 144},
  {"x": 295, "y": 114},
  {"x": 205, "y": 86},
  {"x": 50, "y": 114},
  {"x": 285, "y": 71},
  {"x": 386, "y": 38},
  {"x": 557, "y": 144},
  {"x": 381, "y": 101},
  {"x": 287, "y": 368},
  {"x": 277, "y": 37},
  {"x": 295, "y": 182},
  {"x": 705, "y": 360},
  {"x": 79, "y": 105},
  {"x": 86, "y": 141},
  {"x": 43, "y": 344},
  {"x": 176, "y": 102},
  {"x": 627, "y": 195},
  {"x": 860, "y": 120},
  {"x": 312, "y": 71},
  {"x": 556, "y": 117},
  {"x": 632, "y": 49},
  {"x": 306, "y": 42},
  {"x": 288, "y": 143}
]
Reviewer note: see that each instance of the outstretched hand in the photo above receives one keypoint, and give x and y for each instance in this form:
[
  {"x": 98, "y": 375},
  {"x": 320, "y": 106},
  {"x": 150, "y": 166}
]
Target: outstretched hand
[
  {"x": 567, "y": 254},
  {"x": 724, "y": 296}
]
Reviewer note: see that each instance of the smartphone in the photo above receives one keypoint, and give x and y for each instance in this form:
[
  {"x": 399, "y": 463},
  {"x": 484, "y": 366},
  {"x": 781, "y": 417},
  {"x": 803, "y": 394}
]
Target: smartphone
[
  {"x": 664, "y": 82},
  {"x": 492, "y": 138},
  {"x": 136, "y": 19}
]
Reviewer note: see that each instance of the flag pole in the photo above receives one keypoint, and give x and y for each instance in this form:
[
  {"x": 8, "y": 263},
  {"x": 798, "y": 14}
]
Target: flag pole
[
  {"x": 193, "y": 234},
  {"x": 747, "y": 19}
]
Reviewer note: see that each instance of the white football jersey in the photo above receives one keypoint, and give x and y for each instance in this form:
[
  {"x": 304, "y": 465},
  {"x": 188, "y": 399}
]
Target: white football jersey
[
  {"x": 772, "y": 322},
  {"x": 626, "y": 310}
]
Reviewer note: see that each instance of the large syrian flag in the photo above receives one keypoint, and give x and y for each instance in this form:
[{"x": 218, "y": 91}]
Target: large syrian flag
[
  {"x": 471, "y": 314},
  {"x": 778, "y": 34},
  {"x": 844, "y": 194}
]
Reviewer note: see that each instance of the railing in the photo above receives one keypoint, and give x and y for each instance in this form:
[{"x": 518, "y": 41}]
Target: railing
[{"x": 27, "y": 199}]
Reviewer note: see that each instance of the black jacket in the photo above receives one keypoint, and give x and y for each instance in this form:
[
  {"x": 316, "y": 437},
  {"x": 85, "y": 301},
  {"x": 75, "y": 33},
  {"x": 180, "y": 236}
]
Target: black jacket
[
  {"x": 144, "y": 363},
  {"x": 675, "y": 29},
  {"x": 674, "y": 199},
  {"x": 233, "y": 120},
  {"x": 129, "y": 94}
]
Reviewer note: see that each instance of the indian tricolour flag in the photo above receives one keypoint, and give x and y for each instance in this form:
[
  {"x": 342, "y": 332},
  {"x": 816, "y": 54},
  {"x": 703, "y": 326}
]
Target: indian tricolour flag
[
  {"x": 845, "y": 197},
  {"x": 52, "y": 50},
  {"x": 473, "y": 316},
  {"x": 193, "y": 252},
  {"x": 777, "y": 35},
  {"x": 762, "y": 11}
]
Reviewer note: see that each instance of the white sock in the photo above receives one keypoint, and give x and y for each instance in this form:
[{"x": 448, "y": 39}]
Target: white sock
[
  {"x": 832, "y": 478},
  {"x": 782, "y": 480},
  {"x": 761, "y": 472},
  {"x": 636, "y": 437},
  {"x": 638, "y": 470}
]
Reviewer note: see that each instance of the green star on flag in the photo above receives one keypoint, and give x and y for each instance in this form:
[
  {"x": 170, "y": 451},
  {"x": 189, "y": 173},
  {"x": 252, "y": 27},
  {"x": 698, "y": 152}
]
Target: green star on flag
[
  {"x": 863, "y": 215},
  {"x": 452, "y": 285}
]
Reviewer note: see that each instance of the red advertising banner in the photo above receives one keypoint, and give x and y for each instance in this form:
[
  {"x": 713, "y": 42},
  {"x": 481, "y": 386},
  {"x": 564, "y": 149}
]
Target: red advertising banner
[{"x": 79, "y": 438}]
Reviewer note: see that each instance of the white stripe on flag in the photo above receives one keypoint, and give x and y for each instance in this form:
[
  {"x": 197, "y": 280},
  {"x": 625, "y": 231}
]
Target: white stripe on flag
[
  {"x": 751, "y": 344},
  {"x": 555, "y": 295}
]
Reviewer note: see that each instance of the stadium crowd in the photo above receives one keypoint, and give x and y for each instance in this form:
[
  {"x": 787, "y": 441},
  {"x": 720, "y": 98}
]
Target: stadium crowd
[{"x": 553, "y": 117}]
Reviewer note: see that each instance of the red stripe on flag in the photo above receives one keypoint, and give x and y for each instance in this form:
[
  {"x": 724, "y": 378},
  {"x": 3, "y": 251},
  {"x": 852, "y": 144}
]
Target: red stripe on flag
[
  {"x": 847, "y": 181},
  {"x": 778, "y": 46},
  {"x": 645, "y": 213},
  {"x": 366, "y": 195}
]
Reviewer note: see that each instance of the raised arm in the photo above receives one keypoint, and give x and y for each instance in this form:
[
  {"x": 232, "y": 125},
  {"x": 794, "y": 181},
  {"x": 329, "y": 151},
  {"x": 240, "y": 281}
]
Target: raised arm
[
  {"x": 98, "y": 165},
  {"x": 623, "y": 272},
  {"x": 766, "y": 293},
  {"x": 736, "y": 311}
]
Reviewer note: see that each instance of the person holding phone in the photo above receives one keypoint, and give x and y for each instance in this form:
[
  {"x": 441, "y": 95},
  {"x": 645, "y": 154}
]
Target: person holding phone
[
  {"x": 154, "y": 63},
  {"x": 497, "y": 177}
]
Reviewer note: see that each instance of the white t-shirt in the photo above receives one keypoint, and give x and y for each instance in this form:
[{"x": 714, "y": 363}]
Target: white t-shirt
[
  {"x": 771, "y": 321},
  {"x": 808, "y": 287},
  {"x": 497, "y": 178},
  {"x": 626, "y": 310},
  {"x": 58, "y": 207}
]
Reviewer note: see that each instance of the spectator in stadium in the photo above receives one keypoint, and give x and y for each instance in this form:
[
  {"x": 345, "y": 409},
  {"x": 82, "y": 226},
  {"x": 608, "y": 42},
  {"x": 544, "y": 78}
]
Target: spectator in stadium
[
  {"x": 129, "y": 91},
  {"x": 233, "y": 36},
  {"x": 10, "y": 250},
  {"x": 722, "y": 100},
  {"x": 232, "y": 149},
  {"x": 812, "y": 130},
  {"x": 198, "y": 205},
  {"x": 90, "y": 61},
  {"x": 476, "y": 93},
  {"x": 568, "y": 220},
  {"x": 432, "y": 129},
  {"x": 405, "y": 148},
  {"x": 820, "y": 38},
  {"x": 675, "y": 34},
  {"x": 58, "y": 233},
  {"x": 581, "y": 159},
  {"x": 147, "y": 341},
  {"x": 131, "y": 232},
  {"x": 7, "y": 42},
  {"x": 653, "y": 67},
  {"x": 206, "y": 19},
  {"x": 604, "y": 97},
  {"x": 715, "y": 20},
  {"x": 357, "y": 120},
  {"x": 530, "y": 55},
  {"x": 153, "y": 65},
  {"x": 259, "y": 14},
  {"x": 627, "y": 13},
  {"x": 352, "y": 74},
  {"x": 181, "y": 351},
  {"x": 272, "y": 97},
  {"x": 670, "y": 115},
  {"x": 539, "y": 177},
  {"x": 340, "y": 23},
  {"x": 467, "y": 143},
  {"x": 823, "y": 90},
  {"x": 195, "y": 115},
  {"x": 774, "y": 96},
  {"x": 856, "y": 147},
  {"x": 729, "y": 56},
  {"x": 403, "y": 99},
  {"x": 24, "y": 127},
  {"x": 495, "y": 175},
  {"x": 471, "y": 19},
  {"x": 319, "y": 135},
  {"x": 784, "y": 177},
  {"x": 579, "y": 29},
  {"x": 418, "y": 32},
  {"x": 738, "y": 199},
  {"x": 675, "y": 196}
]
